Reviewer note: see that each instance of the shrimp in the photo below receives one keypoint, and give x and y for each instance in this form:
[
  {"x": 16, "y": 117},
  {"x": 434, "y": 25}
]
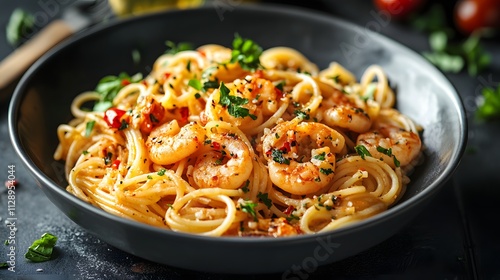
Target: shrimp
[
  {"x": 170, "y": 143},
  {"x": 345, "y": 113},
  {"x": 227, "y": 164},
  {"x": 301, "y": 157},
  {"x": 392, "y": 144}
]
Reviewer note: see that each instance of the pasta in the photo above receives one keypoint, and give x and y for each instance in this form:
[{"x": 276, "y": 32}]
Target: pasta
[{"x": 240, "y": 141}]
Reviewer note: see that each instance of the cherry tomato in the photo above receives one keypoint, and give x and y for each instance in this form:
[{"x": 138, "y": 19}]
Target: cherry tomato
[
  {"x": 471, "y": 15},
  {"x": 399, "y": 9},
  {"x": 113, "y": 117}
]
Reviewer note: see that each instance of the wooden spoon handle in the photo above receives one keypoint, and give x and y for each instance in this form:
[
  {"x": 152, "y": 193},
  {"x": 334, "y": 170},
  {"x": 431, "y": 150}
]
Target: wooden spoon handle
[{"x": 16, "y": 64}]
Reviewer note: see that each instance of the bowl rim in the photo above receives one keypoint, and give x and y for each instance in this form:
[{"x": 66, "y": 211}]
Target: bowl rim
[{"x": 282, "y": 10}]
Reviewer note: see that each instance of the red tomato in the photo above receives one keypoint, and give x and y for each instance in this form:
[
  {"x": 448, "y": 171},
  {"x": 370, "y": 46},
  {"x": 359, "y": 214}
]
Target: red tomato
[
  {"x": 399, "y": 9},
  {"x": 471, "y": 15},
  {"x": 113, "y": 117}
]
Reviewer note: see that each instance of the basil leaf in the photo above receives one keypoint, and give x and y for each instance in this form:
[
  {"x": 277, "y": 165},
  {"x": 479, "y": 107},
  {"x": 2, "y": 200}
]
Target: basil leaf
[
  {"x": 41, "y": 249},
  {"x": 20, "y": 24}
]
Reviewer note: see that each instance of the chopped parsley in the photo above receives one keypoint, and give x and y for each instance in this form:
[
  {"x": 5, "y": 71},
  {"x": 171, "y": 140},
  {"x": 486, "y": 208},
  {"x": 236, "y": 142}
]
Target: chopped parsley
[
  {"x": 161, "y": 172},
  {"x": 173, "y": 48},
  {"x": 41, "y": 249},
  {"x": 362, "y": 151},
  {"x": 301, "y": 114},
  {"x": 321, "y": 156},
  {"x": 234, "y": 103},
  {"x": 246, "y": 52},
  {"x": 388, "y": 152},
  {"x": 249, "y": 207},
  {"x": 263, "y": 197},
  {"x": 245, "y": 188},
  {"x": 326, "y": 171},
  {"x": 278, "y": 156},
  {"x": 488, "y": 107},
  {"x": 88, "y": 128},
  {"x": 109, "y": 86}
]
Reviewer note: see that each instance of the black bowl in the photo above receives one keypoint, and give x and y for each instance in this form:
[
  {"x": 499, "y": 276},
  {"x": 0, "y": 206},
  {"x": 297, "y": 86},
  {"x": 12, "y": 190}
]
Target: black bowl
[{"x": 42, "y": 101}]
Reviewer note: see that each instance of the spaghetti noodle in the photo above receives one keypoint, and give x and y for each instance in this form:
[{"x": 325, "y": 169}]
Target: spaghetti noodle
[{"x": 210, "y": 144}]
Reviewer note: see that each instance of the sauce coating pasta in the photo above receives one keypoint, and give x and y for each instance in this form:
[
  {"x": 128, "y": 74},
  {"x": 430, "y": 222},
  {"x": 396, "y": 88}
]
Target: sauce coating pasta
[{"x": 222, "y": 141}]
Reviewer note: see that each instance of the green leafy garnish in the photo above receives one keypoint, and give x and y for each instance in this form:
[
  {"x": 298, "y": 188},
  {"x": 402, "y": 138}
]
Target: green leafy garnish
[
  {"x": 246, "y": 52},
  {"x": 88, "y": 128},
  {"x": 362, "y": 151},
  {"x": 278, "y": 156},
  {"x": 109, "y": 86},
  {"x": 249, "y": 207},
  {"x": 388, "y": 152},
  {"x": 174, "y": 48},
  {"x": 161, "y": 172},
  {"x": 245, "y": 188},
  {"x": 234, "y": 103},
  {"x": 4, "y": 265},
  {"x": 448, "y": 54},
  {"x": 326, "y": 171},
  {"x": 488, "y": 107},
  {"x": 21, "y": 23},
  {"x": 196, "y": 84},
  {"x": 301, "y": 114},
  {"x": 41, "y": 249},
  {"x": 321, "y": 156},
  {"x": 263, "y": 197}
]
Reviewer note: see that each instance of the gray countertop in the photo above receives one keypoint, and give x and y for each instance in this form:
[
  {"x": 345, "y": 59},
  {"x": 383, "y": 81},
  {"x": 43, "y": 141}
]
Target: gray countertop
[{"x": 456, "y": 237}]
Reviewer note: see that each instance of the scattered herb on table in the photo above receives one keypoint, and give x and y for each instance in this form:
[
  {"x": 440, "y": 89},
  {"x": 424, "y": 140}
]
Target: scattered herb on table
[
  {"x": 21, "y": 24},
  {"x": 488, "y": 104},
  {"x": 41, "y": 249}
]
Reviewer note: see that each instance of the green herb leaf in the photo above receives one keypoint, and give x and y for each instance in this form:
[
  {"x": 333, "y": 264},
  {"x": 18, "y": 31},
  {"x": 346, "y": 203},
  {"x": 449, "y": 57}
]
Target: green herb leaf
[
  {"x": 263, "y": 197},
  {"x": 488, "y": 105},
  {"x": 321, "y": 156},
  {"x": 362, "y": 151},
  {"x": 278, "y": 156},
  {"x": 249, "y": 207},
  {"x": 109, "y": 86},
  {"x": 161, "y": 172},
  {"x": 195, "y": 83},
  {"x": 234, "y": 103},
  {"x": 21, "y": 23},
  {"x": 41, "y": 249},
  {"x": 246, "y": 52},
  {"x": 88, "y": 128},
  {"x": 4, "y": 265},
  {"x": 174, "y": 48}
]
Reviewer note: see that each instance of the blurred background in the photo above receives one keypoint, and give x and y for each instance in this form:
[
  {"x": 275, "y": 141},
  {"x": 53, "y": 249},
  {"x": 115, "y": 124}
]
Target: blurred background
[{"x": 456, "y": 238}]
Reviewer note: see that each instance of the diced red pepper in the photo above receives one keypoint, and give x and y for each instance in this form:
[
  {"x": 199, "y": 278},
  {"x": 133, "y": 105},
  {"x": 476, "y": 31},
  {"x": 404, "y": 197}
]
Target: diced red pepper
[
  {"x": 216, "y": 145},
  {"x": 289, "y": 210},
  {"x": 184, "y": 111},
  {"x": 113, "y": 117},
  {"x": 116, "y": 164},
  {"x": 286, "y": 147}
]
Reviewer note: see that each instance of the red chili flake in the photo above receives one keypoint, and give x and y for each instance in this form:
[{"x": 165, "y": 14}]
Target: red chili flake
[
  {"x": 269, "y": 152},
  {"x": 289, "y": 210},
  {"x": 184, "y": 113},
  {"x": 11, "y": 183},
  {"x": 125, "y": 82},
  {"x": 144, "y": 82},
  {"x": 216, "y": 145},
  {"x": 113, "y": 117},
  {"x": 202, "y": 53},
  {"x": 259, "y": 73},
  {"x": 116, "y": 164},
  {"x": 286, "y": 147},
  {"x": 166, "y": 75}
]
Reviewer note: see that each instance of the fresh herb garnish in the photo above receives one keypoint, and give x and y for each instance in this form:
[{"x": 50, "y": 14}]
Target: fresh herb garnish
[
  {"x": 488, "y": 104},
  {"x": 109, "y": 86},
  {"x": 195, "y": 83},
  {"x": 301, "y": 114},
  {"x": 234, "y": 103},
  {"x": 88, "y": 128},
  {"x": 174, "y": 48},
  {"x": 321, "y": 156},
  {"x": 388, "y": 152},
  {"x": 161, "y": 172},
  {"x": 249, "y": 207},
  {"x": 41, "y": 249},
  {"x": 246, "y": 52},
  {"x": 21, "y": 23},
  {"x": 263, "y": 197},
  {"x": 362, "y": 151},
  {"x": 278, "y": 156},
  {"x": 4, "y": 265},
  {"x": 245, "y": 188},
  {"x": 448, "y": 54},
  {"x": 326, "y": 171}
]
